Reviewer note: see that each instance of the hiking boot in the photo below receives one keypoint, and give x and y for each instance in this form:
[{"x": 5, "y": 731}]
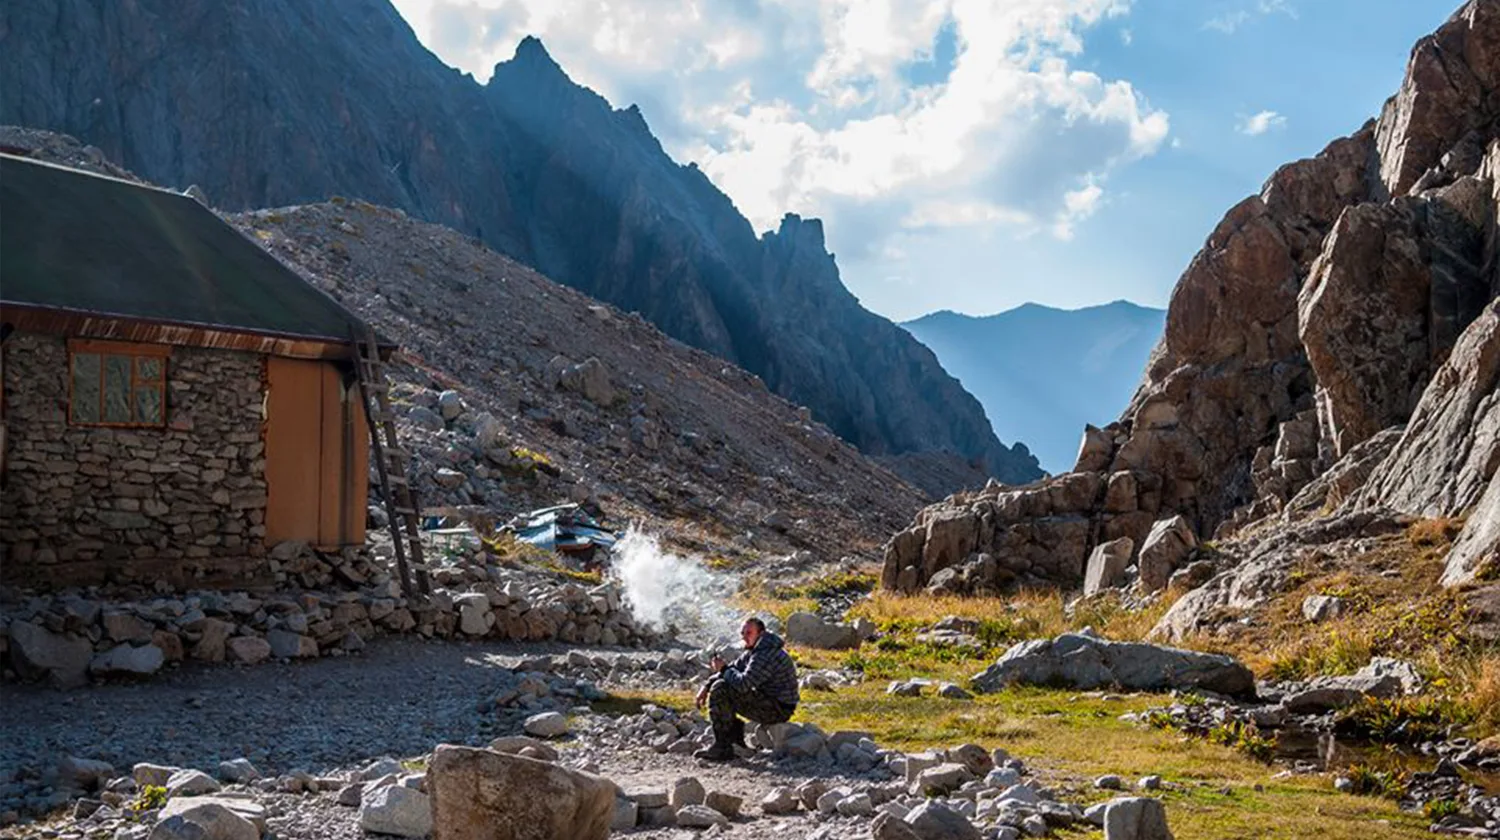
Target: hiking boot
[
  {"x": 737, "y": 734},
  {"x": 720, "y": 751}
]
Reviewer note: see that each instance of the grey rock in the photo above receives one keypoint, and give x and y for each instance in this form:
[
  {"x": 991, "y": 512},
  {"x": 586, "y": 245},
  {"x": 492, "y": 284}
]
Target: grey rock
[
  {"x": 889, "y": 827},
  {"x": 1135, "y": 818},
  {"x": 1087, "y": 662},
  {"x": 1322, "y": 607},
  {"x": 1109, "y": 782},
  {"x": 725, "y": 803},
  {"x": 425, "y": 418},
  {"x": 1404, "y": 672},
  {"x": 589, "y": 379},
  {"x": 83, "y": 773},
  {"x": 953, "y": 691},
  {"x": 627, "y": 813},
  {"x": 779, "y": 801},
  {"x": 152, "y": 774},
  {"x": 1322, "y": 694},
  {"x": 1166, "y": 548},
  {"x": 828, "y": 803},
  {"x": 451, "y": 404},
  {"x": 942, "y": 779},
  {"x": 933, "y": 820},
  {"x": 380, "y": 767},
  {"x": 855, "y": 805},
  {"x": 288, "y": 645},
  {"x": 395, "y": 809},
  {"x": 204, "y": 821},
  {"x": 687, "y": 791},
  {"x": 142, "y": 660},
  {"x": 546, "y": 725},
  {"x": 238, "y": 770},
  {"x": 39, "y": 653},
  {"x": 245, "y": 808},
  {"x": 351, "y": 795},
  {"x": 191, "y": 783},
  {"x": 699, "y": 816},
  {"x": 1106, "y": 565},
  {"x": 250, "y": 650},
  {"x": 806, "y": 628}
]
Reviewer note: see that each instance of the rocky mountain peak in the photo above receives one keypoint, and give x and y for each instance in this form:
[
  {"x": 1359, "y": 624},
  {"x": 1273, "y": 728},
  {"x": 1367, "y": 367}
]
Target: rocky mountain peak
[{"x": 539, "y": 168}]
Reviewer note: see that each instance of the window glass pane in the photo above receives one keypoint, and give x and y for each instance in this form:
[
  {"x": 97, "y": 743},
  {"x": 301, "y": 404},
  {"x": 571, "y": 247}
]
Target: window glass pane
[
  {"x": 117, "y": 389},
  {"x": 85, "y": 387},
  {"x": 148, "y": 404},
  {"x": 147, "y": 368}
]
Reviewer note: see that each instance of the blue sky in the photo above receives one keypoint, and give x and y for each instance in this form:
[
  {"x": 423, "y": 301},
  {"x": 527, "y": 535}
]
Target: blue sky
[{"x": 974, "y": 155}]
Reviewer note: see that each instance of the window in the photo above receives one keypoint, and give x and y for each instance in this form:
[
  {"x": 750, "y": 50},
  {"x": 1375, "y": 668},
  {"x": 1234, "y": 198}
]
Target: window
[{"x": 117, "y": 384}]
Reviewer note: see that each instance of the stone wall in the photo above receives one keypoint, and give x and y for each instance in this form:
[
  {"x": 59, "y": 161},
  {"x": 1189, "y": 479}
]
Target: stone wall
[{"x": 185, "y": 503}]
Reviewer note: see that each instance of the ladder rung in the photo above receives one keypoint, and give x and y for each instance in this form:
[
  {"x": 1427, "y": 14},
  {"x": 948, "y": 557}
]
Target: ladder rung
[{"x": 404, "y": 511}]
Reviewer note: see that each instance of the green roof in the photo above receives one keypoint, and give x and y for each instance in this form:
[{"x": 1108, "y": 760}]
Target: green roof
[{"x": 77, "y": 241}]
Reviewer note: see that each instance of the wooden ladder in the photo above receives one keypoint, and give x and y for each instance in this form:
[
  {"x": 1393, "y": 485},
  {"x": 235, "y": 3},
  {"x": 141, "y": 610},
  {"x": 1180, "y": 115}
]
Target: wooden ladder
[{"x": 392, "y": 464}]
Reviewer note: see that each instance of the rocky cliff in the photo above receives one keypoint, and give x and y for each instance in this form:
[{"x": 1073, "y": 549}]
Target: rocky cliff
[
  {"x": 1345, "y": 301},
  {"x": 274, "y": 102}
]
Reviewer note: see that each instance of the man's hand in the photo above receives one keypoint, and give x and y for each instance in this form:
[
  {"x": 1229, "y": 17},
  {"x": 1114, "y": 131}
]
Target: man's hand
[
  {"x": 717, "y": 664},
  {"x": 702, "y": 697}
]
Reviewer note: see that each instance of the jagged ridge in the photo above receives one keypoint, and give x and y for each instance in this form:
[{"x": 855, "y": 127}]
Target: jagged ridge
[{"x": 283, "y": 103}]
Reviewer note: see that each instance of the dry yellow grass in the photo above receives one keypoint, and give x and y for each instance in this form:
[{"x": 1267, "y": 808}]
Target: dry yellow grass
[{"x": 1032, "y": 613}]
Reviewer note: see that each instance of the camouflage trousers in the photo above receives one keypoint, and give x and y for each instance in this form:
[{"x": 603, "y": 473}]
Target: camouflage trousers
[{"x": 728, "y": 703}]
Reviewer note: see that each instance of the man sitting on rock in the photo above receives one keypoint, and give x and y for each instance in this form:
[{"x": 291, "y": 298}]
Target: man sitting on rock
[{"x": 759, "y": 685}]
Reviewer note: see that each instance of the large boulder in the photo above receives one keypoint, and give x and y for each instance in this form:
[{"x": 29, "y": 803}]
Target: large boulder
[
  {"x": 590, "y": 379},
  {"x": 202, "y": 819},
  {"x": 1107, "y": 565},
  {"x": 136, "y": 660},
  {"x": 483, "y": 795},
  {"x": 1135, "y": 818},
  {"x": 805, "y": 628},
  {"x": 39, "y": 653},
  {"x": 248, "y": 810},
  {"x": 1166, "y": 548},
  {"x": 933, "y": 820},
  {"x": 1088, "y": 662},
  {"x": 397, "y": 810}
]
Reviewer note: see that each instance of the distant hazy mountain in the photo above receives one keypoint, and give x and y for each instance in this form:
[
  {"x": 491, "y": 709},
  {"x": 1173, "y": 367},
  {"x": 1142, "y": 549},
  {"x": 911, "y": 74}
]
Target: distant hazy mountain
[{"x": 1041, "y": 373}]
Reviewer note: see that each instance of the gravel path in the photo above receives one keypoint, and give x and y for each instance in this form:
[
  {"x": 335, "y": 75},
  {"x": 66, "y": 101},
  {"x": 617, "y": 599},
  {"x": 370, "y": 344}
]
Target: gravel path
[{"x": 399, "y": 698}]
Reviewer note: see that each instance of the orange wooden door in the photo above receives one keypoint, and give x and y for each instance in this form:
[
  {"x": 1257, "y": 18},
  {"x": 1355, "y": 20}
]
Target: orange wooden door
[{"x": 316, "y": 456}]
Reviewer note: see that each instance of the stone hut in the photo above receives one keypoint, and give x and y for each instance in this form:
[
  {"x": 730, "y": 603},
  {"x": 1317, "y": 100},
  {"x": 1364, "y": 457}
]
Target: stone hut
[{"x": 176, "y": 401}]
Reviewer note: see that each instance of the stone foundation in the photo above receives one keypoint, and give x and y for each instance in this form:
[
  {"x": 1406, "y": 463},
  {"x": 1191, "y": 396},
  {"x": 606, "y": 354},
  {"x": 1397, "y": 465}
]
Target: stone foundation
[{"x": 185, "y": 503}]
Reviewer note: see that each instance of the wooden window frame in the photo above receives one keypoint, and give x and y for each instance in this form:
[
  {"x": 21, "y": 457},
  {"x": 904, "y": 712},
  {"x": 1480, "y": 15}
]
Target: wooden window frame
[{"x": 133, "y": 352}]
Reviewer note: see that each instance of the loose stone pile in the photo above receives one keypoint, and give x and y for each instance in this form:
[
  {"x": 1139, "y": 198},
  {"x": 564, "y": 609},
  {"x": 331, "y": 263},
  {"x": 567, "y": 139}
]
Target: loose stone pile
[{"x": 69, "y": 636}]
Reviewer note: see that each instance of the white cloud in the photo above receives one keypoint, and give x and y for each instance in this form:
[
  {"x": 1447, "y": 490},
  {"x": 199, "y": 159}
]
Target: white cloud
[
  {"x": 1258, "y": 124},
  {"x": 1230, "y": 21},
  {"x": 808, "y": 106},
  {"x": 1126, "y": 37},
  {"x": 1227, "y": 22}
]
